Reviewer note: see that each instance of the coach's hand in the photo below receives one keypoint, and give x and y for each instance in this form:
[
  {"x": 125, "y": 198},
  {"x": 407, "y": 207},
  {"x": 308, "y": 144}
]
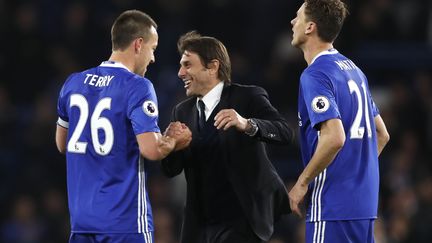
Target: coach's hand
[
  {"x": 296, "y": 197},
  {"x": 227, "y": 118},
  {"x": 181, "y": 133}
]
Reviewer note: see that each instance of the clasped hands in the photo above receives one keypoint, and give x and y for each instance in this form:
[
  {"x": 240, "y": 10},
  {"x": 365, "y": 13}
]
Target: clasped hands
[{"x": 181, "y": 133}]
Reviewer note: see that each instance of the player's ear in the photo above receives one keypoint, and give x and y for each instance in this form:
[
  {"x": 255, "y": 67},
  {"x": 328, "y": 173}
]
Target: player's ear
[
  {"x": 138, "y": 42},
  {"x": 213, "y": 66},
  {"x": 310, "y": 27}
]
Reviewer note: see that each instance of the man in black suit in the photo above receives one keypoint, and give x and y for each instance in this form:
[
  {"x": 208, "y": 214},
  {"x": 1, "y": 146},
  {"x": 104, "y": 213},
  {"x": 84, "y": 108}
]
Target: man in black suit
[{"x": 234, "y": 194}]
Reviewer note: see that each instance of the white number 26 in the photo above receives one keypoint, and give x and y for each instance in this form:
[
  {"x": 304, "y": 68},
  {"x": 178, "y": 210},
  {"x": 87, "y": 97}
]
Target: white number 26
[{"x": 96, "y": 122}]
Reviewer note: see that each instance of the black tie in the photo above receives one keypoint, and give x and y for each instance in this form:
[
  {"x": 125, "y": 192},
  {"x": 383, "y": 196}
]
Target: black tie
[{"x": 201, "y": 115}]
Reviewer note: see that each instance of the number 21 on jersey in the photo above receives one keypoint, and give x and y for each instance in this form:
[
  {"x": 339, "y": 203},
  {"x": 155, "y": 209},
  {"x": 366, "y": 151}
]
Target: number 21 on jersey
[
  {"x": 96, "y": 122},
  {"x": 356, "y": 131}
]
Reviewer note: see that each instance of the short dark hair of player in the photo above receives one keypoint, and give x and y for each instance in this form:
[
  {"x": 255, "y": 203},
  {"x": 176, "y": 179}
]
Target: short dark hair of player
[
  {"x": 208, "y": 49},
  {"x": 328, "y": 15},
  {"x": 131, "y": 24}
]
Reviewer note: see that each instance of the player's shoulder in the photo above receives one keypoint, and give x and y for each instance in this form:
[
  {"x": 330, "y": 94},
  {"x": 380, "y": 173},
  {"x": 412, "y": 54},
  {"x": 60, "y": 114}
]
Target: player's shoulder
[
  {"x": 133, "y": 81},
  {"x": 74, "y": 77},
  {"x": 137, "y": 79},
  {"x": 313, "y": 78},
  {"x": 314, "y": 72}
]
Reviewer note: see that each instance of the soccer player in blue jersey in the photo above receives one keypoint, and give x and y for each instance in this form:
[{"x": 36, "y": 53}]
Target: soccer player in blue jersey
[
  {"x": 107, "y": 122},
  {"x": 341, "y": 133}
]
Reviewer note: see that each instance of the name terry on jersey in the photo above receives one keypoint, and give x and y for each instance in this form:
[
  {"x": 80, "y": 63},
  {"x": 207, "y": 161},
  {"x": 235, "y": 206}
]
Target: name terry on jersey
[
  {"x": 98, "y": 81},
  {"x": 346, "y": 65}
]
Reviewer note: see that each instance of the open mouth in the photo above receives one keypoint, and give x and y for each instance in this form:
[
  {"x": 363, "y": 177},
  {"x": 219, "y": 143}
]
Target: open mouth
[{"x": 187, "y": 83}]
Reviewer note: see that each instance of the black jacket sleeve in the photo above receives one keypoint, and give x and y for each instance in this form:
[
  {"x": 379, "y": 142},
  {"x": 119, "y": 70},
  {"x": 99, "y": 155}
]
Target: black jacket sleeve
[
  {"x": 173, "y": 165},
  {"x": 272, "y": 127}
]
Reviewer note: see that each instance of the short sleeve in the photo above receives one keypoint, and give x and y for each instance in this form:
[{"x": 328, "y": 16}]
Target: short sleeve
[
  {"x": 319, "y": 97},
  {"x": 143, "y": 107},
  {"x": 63, "y": 117},
  {"x": 375, "y": 110}
]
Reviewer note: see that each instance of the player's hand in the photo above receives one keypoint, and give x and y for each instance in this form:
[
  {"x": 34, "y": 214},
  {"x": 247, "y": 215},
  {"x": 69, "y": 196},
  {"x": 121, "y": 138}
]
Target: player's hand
[
  {"x": 173, "y": 129},
  {"x": 227, "y": 118},
  {"x": 181, "y": 133},
  {"x": 296, "y": 197}
]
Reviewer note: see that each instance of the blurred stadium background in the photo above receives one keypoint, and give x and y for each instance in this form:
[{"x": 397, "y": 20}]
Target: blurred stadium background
[{"x": 41, "y": 42}]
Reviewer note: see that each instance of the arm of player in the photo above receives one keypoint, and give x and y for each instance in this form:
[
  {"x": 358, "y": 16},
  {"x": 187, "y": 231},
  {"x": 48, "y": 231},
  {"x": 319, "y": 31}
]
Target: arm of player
[
  {"x": 382, "y": 135},
  {"x": 154, "y": 146},
  {"x": 331, "y": 140},
  {"x": 61, "y": 136}
]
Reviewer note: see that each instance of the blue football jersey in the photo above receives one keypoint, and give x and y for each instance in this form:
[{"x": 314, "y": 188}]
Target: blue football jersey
[
  {"x": 104, "y": 108},
  {"x": 332, "y": 86}
]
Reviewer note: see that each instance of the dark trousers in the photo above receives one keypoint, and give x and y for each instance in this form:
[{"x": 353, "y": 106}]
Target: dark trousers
[{"x": 238, "y": 231}]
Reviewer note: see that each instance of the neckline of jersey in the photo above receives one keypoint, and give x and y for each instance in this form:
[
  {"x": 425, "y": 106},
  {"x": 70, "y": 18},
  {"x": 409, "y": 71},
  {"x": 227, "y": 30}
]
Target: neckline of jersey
[
  {"x": 326, "y": 52},
  {"x": 113, "y": 64}
]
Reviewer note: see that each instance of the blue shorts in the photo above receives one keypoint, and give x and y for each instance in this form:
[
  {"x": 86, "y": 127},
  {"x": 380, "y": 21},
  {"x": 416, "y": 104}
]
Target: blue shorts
[
  {"x": 343, "y": 231},
  {"x": 111, "y": 238}
]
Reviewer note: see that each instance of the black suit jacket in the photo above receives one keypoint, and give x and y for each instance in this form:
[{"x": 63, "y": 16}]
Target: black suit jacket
[{"x": 259, "y": 189}]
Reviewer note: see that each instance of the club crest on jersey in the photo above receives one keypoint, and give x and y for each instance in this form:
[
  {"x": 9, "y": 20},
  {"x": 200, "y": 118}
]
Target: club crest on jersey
[
  {"x": 320, "y": 104},
  {"x": 150, "y": 108}
]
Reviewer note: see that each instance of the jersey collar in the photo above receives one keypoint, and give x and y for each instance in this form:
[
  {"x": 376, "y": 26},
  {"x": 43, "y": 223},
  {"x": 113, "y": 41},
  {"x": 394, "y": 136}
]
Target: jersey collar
[
  {"x": 113, "y": 64},
  {"x": 326, "y": 52}
]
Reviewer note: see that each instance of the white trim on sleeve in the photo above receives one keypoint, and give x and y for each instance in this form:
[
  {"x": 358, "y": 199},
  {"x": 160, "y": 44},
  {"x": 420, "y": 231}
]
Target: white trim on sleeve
[{"x": 62, "y": 123}]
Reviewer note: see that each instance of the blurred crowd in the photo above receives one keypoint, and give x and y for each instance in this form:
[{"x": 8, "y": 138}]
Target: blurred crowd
[{"x": 43, "y": 41}]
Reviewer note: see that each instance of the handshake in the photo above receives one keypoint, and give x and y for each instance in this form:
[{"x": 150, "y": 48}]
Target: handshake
[{"x": 180, "y": 133}]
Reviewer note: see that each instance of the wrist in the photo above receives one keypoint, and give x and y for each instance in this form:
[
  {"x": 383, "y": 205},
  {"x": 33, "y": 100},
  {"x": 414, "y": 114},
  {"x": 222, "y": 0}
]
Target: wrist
[
  {"x": 170, "y": 143},
  {"x": 303, "y": 180},
  {"x": 251, "y": 127}
]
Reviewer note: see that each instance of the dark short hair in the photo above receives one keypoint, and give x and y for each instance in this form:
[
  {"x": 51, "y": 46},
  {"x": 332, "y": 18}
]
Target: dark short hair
[
  {"x": 207, "y": 48},
  {"x": 130, "y": 25},
  {"x": 328, "y": 15}
]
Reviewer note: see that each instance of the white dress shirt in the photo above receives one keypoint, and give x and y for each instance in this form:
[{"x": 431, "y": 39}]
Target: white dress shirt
[{"x": 211, "y": 99}]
